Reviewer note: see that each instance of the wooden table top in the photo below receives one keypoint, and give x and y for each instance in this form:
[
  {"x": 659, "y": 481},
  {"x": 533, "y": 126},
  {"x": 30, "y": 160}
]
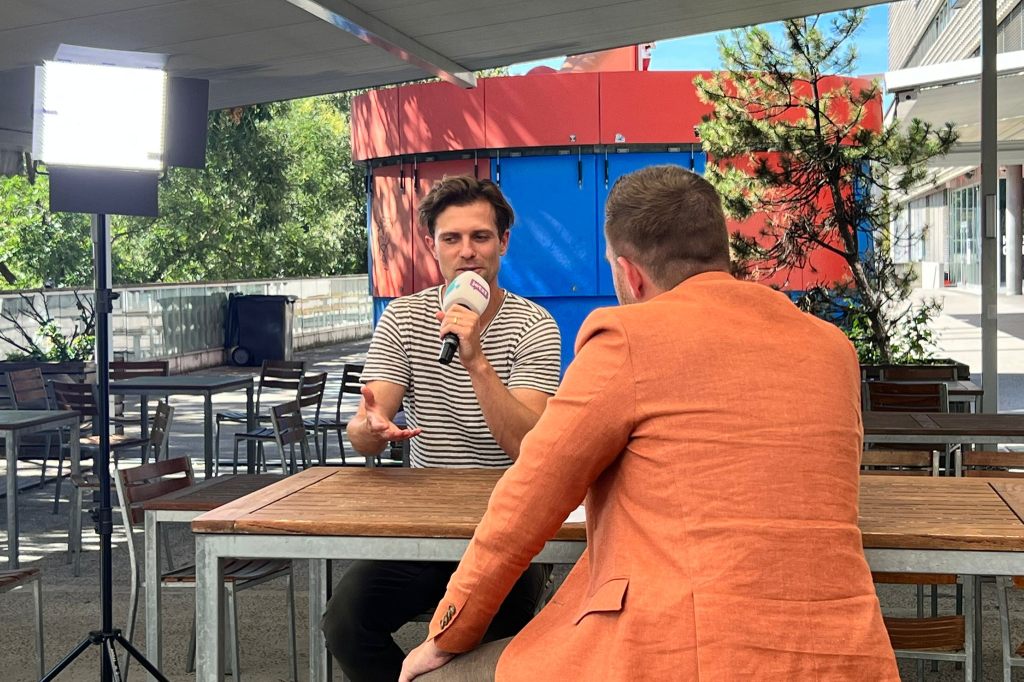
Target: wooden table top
[
  {"x": 938, "y": 513},
  {"x": 895, "y": 511},
  {"x": 939, "y": 424},
  {"x": 438, "y": 503},
  {"x": 212, "y": 493}
]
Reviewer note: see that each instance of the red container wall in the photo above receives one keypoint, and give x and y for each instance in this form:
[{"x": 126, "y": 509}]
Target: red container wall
[
  {"x": 375, "y": 129},
  {"x": 440, "y": 117},
  {"x": 823, "y": 267},
  {"x": 426, "y": 272},
  {"x": 650, "y": 107},
  {"x": 391, "y": 232},
  {"x": 543, "y": 110}
]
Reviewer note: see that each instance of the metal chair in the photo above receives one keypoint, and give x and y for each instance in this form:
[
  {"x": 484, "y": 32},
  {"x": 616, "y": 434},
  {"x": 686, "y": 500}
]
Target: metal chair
[
  {"x": 310, "y": 394},
  {"x": 10, "y": 580},
  {"x": 27, "y": 390},
  {"x": 935, "y": 638},
  {"x": 82, "y": 398},
  {"x": 282, "y": 376},
  {"x": 290, "y": 430},
  {"x": 350, "y": 385},
  {"x": 127, "y": 369},
  {"x": 157, "y": 443},
  {"x": 139, "y": 484}
]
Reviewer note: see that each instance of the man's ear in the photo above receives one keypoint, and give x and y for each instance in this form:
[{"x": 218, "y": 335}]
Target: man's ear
[
  {"x": 431, "y": 245},
  {"x": 635, "y": 278},
  {"x": 504, "y": 242}
]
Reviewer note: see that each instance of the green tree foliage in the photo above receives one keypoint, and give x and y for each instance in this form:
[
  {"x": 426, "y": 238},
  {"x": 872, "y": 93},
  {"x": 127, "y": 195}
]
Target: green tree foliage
[
  {"x": 279, "y": 197},
  {"x": 831, "y": 186},
  {"x": 38, "y": 247}
]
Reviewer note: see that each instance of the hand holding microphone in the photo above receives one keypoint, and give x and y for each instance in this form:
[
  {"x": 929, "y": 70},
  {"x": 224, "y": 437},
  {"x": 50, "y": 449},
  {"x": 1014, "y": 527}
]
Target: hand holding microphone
[{"x": 468, "y": 291}]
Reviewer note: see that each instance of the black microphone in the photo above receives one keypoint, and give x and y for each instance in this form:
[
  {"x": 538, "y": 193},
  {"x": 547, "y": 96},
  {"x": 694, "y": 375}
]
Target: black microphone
[{"x": 470, "y": 291}]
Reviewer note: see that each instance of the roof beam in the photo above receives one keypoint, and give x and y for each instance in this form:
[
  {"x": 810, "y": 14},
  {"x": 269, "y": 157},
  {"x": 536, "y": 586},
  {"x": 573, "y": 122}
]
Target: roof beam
[{"x": 346, "y": 16}]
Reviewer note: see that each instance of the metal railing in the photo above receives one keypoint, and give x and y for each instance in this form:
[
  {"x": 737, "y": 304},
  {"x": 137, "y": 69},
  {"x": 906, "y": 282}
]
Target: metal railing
[{"x": 167, "y": 320}]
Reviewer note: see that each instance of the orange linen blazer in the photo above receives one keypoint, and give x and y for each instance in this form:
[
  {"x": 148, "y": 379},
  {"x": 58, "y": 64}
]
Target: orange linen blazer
[{"x": 715, "y": 432}]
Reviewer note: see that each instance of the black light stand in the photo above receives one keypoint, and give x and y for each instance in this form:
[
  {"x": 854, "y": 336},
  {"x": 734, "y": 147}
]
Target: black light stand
[{"x": 105, "y": 638}]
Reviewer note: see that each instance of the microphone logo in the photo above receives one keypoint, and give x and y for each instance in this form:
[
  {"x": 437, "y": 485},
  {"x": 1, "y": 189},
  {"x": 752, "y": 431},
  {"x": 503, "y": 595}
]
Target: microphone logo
[{"x": 480, "y": 288}]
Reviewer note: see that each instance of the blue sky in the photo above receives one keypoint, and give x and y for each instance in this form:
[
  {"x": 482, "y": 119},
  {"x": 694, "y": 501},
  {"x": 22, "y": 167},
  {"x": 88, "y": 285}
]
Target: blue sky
[{"x": 700, "y": 52}]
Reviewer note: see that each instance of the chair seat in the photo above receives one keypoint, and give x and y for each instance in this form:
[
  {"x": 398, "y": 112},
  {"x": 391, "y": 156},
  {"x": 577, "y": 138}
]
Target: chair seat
[
  {"x": 240, "y": 417},
  {"x": 236, "y": 570},
  {"x": 85, "y": 481},
  {"x": 262, "y": 433},
  {"x": 324, "y": 422},
  {"x": 116, "y": 441},
  {"x": 942, "y": 633},
  {"x": 11, "y": 579}
]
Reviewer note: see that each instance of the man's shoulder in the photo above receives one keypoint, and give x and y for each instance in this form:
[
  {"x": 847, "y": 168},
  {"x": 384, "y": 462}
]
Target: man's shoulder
[
  {"x": 524, "y": 306},
  {"x": 427, "y": 298}
]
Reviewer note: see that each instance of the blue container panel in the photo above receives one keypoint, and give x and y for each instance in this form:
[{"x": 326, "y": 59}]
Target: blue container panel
[
  {"x": 553, "y": 248},
  {"x": 569, "y": 313},
  {"x": 619, "y": 165}
]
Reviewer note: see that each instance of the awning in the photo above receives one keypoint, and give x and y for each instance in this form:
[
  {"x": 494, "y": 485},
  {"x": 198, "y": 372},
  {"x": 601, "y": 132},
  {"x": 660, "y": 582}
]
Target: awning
[{"x": 951, "y": 92}]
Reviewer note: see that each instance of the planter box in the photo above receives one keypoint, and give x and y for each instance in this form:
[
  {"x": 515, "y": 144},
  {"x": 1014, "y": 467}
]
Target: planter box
[{"x": 963, "y": 372}]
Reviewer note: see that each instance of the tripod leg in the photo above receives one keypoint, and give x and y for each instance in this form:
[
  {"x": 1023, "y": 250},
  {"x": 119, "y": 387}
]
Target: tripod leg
[
  {"x": 108, "y": 650},
  {"x": 134, "y": 653},
  {"x": 67, "y": 660}
]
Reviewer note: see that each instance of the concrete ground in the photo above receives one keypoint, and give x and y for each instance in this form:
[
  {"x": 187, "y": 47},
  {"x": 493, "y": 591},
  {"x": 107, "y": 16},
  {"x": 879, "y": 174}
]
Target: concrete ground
[{"x": 72, "y": 604}]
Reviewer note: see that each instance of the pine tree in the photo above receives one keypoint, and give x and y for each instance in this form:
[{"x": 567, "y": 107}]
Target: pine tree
[{"x": 831, "y": 182}]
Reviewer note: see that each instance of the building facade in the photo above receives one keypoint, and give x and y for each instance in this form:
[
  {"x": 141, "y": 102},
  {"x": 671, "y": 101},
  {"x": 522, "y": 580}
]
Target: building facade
[{"x": 940, "y": 226}]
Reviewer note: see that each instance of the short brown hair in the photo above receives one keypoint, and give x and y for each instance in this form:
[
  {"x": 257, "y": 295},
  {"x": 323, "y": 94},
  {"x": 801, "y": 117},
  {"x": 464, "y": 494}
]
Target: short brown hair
[
  {"x": 668, "y": 220},
  {"x": 462, "y": 190}
]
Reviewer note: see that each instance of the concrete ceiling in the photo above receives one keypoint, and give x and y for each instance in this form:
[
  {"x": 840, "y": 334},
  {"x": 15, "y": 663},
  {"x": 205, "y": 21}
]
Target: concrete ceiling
[{"x": 265, "y": 50}]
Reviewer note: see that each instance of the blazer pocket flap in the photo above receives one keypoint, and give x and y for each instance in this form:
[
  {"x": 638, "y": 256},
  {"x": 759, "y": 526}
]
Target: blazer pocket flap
[{"x": 606, "y": 598}]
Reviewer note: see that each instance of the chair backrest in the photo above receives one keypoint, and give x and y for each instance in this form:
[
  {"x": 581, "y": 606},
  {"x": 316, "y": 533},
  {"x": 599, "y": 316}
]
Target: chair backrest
[
  {"x": 158, "y": 430},
  {"x": 27, "y": 389},
  {"x": 992, "y": 464},
  {"x": 350, "y": 384},
  {"x": 889, "y": 396},
  {"x": 900, "y": 462},
  {"x": 126, "y": 369},
  {"x": 919, "y": 373},
  {"x": 311, "y": 393},
  {"x": 280, "y": 375},
  {"x": 289, "y": 430},
  {"x": 75, "y": 396},
  {"x": 137, "y": 485}
]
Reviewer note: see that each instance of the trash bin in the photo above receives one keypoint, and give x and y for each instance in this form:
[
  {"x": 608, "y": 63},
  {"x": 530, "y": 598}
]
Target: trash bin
[{"x": 259, "y": 327}]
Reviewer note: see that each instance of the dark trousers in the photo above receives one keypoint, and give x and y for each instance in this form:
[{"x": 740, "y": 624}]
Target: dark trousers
[{"x": 375, "y": 598}]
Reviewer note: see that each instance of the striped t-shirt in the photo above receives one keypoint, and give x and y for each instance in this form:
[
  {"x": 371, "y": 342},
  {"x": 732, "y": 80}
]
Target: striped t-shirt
[{"x": 522, "y": 343}]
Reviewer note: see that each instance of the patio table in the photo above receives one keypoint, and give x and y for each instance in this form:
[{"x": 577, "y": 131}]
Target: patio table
[
  {"x": 941, "y": 428},
  {"x": 181, "y": 506},
  {"x": 13, "y": 425},
  {"x": 928, "y": 525},
  {"x": 206, "y": 385}
]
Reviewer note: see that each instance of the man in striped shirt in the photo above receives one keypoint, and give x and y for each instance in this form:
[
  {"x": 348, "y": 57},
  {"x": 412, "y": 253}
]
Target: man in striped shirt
[{"x": 471, "y": 413}]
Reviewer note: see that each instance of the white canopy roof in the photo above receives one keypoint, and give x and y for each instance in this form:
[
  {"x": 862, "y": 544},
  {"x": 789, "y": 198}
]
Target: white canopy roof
[{"x": 952, "y": 92}]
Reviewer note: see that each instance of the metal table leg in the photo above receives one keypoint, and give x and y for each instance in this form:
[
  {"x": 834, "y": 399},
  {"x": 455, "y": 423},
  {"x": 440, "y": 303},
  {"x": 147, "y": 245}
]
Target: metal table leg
[
  {"x": 11, "y": 445},
  {"x": 209, "y": 610},
  {"x": 208, "y": 434},
  {"x": 154, "y": 547}
]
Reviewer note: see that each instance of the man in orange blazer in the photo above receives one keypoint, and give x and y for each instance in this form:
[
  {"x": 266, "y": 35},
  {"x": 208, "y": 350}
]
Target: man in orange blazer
[{"x": 715, "y": 432}]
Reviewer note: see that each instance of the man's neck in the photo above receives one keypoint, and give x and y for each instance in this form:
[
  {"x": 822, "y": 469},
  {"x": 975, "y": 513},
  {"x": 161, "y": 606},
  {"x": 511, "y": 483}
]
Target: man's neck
[{"x": 493, "y": 303}]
